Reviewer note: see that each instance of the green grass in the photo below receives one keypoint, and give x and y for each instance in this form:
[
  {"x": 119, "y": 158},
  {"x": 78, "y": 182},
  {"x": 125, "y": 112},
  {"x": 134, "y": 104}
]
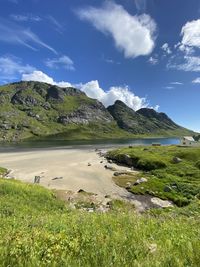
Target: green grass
[
  {"x": 156, "y": 163},
  {"x": 36, "y": 229}
]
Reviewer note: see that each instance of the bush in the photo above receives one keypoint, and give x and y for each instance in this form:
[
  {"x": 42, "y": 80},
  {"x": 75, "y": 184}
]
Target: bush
[
  {"x": 197, "y": 164},
  {"x": 150, "y": 164}
]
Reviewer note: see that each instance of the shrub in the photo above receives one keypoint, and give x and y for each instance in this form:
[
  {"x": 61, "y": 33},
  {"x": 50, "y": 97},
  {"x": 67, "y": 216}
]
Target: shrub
[
  {"x": 150, "y": 164},
  {"x": 197, "y": 164}
]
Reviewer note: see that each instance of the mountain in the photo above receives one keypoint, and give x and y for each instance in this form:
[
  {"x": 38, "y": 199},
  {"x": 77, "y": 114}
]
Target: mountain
[
  {"x": 144, "y": 121},
  {"x": 35, "y": 109}
]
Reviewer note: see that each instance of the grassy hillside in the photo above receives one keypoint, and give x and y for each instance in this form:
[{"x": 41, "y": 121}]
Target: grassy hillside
[
  {"x": 39, "y": 110},
  {"x": 37, "y": 229},
  {"x": 167, "y": 179}
]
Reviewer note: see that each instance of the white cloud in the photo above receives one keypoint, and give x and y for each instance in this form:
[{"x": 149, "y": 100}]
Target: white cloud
[
  {"x": 61, "y": 62},
  {"x": 40, "y": 76},
  {"x": 134, "y": 35},
  {"x": 165, "y": 47},
  {"x": 25, "y": 18},
  {"x": 153, "y": 60},
  {"x": 189, "y": 64},
  {"x": 176, "y": 83},
  {"x": 93, "y": 90},
  {"x": 11, "y": 67},
  {"x": 197, "y": 80},
  {"x": 11, "y": 33},
  {"x": 191, "y": 34}
]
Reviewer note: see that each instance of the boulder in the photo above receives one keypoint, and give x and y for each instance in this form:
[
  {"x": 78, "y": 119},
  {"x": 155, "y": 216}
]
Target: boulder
[{"x": 176, "y": 160}]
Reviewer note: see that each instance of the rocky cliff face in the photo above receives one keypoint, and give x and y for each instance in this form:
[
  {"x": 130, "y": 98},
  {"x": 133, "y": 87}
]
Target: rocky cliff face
[{"x": 143, "y": 121}]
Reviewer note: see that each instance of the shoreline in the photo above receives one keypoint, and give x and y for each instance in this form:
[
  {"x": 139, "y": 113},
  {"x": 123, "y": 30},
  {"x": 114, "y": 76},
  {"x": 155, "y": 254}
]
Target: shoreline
[{"x": 71, "y": 170}]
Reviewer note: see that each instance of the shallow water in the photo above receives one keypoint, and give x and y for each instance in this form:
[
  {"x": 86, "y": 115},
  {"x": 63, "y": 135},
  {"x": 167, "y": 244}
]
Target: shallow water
[{"x": 84, "y": 144}]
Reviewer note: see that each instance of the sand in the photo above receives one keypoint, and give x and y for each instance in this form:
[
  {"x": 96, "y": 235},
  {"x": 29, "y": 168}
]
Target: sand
[
  {"x": 70, "y": 165},
  {"x": 71, "y": 170}
]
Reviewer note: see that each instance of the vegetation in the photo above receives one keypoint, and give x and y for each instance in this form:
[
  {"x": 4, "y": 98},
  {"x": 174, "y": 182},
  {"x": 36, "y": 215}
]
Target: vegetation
[
  {"x": 37, "y": 229},
  {"x": 34, "y": 109},
  {"x": 167, "y": 178}
]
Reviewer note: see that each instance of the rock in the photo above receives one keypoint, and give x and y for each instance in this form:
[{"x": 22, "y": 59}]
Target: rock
[
  {"x": 128, "y": 184},
  {"x": 57, "y": 178},
  {"x": 130, "y": 146},
  {"x": 161, "y": 203},
  {"x": 55, "y": 94},
  {"x": 107, "y": 196},
  {"x": 89, "y": 164},
  {"x": 167, "y": 188},
  {"x": 110, "y": 161},
  {"x": 101, "y": 161},
  {"x": 152, "y": 248},
  {"x": 110, "y": 168},
  {"x": 128, "y": 160},
  {"x": 176, "y": 160},
  {"x": 90, "y": 210},
  {"x": 140, "y": 181},
  {"x": 81, "y": 191}
]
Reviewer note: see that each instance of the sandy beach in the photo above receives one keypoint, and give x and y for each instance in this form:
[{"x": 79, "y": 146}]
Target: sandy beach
[
  {"x": 70, "y": 166},
  {"x": 71, "y": 170}
]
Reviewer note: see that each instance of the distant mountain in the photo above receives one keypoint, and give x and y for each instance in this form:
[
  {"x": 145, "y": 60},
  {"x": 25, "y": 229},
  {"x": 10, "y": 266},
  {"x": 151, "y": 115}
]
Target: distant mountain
[
  {"x": 144, "y": 121},
  {"x": 34, "y": 109}
]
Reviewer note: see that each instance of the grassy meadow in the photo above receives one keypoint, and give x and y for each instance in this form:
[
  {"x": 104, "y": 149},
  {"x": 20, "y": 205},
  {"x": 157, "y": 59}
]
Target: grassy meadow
[
  {"x": 179, "y": 182},
  {"x": 39, "y": 230}
]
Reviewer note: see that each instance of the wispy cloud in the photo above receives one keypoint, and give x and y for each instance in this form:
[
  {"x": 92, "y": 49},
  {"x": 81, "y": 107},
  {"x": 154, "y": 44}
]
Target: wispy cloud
[
  {"x": 140, "y": 5},
  {"x": 169, "y": 87},
  {"x": 61, "y": 62},
  {"x": 165, "y": 47},
  {"x": 14, "y": 34},
  {"x": 176, "y": 83},
  {"x": 153, "y": 60},
  {"x": 197, "y": 80},
  {"x": 25, "y": 18},
  {"x": 57, "y": 25},
  {"x": 134, "y": 35},
  {"x": 186, "y": 55},
  {"x": 11, "y": 67}
]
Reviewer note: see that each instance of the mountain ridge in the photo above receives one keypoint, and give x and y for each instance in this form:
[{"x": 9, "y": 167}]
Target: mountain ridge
[{"x": 36, "y": 109}]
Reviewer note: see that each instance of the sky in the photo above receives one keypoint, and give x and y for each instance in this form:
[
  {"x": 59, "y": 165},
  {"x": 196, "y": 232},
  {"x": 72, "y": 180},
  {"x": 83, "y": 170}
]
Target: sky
[{"x": 143, "y": 52}]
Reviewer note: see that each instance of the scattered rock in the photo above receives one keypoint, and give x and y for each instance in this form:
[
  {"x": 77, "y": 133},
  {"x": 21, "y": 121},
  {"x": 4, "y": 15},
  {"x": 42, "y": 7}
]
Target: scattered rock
[
  {"x": 101, "y": 161},
  {"x": 110, "y": 161},
  {"x": 176, "y": 160},
  {"x": 107, "y": 196},
  {"x": 89, "y": 164},
  {"x": 152, "y": 248},
  {"x": 57, "y": 178},
  {"x": 140, "y": 181},
  {"x": 110, "y": 168}
]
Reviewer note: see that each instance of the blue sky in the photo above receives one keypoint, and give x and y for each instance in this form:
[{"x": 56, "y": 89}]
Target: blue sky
[{"x": 144, "y": 52}]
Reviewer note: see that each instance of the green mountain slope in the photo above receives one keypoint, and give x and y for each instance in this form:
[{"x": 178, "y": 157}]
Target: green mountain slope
[
  {"x": 144, "y": 121},
  {"x": 34, "y": 109},
  {"x": 31, "y": 109}
]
